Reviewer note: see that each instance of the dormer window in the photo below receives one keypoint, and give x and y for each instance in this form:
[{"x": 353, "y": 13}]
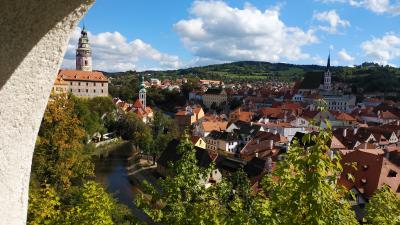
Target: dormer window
[
  {"x": 392, "y": 173},
  {"x": 363, "y": 181},
  {"x": 365, "y": 167}
]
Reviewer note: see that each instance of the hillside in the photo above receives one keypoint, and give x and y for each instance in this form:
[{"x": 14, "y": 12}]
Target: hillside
[
  {"x": 368, "y": 77},
  {"x": 242, "y": 70}
]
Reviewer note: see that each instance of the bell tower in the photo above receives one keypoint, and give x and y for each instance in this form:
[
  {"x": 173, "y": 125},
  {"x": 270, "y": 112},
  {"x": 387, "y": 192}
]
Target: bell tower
[
  {"x": 84, "y": 52},
  {"x": 142, "y": 93},
  {"x": 328, "y": 75}
]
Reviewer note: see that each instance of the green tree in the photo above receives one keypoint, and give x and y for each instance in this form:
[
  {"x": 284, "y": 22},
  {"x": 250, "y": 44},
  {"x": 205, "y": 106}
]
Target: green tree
[
  {"x": 305, "y": 189},
  {"x": 182, "y": 199},
  {"x": 60, "y": 156},
  {"x": 143, "y": 138},
  {"x": 185, "y": 199},
  {"x": 44, "y": 206},
  {"x": 164, "y": 130},
  {"x": 383, "y": 208},
  {"x": 90, "y": 120},
  {"x": 127, "y": 125},
  {"x": 101, "y": 105},
  {"x": 91, "y": 204},
  {"x": 61, "y": 164}
]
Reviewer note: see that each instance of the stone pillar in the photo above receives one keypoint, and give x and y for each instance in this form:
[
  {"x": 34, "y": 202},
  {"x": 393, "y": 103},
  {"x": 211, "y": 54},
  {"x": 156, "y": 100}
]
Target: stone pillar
[{"x": 34, "y": 36}]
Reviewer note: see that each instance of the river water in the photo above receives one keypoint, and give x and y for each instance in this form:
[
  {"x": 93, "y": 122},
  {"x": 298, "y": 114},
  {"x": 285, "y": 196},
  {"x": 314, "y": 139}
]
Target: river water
[{"x": 112, "y": 173}]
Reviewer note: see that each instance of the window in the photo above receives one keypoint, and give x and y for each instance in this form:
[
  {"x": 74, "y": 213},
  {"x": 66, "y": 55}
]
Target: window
[
  {"x": 79, "y": 83},
  {"x": 86, "y": 62},
  {"x": 70, "y": 83},
  {"x": 363, "y": 181},
  {"x": 392, "y": 173},
  {"x": 94, "y": 84},
  {"x": 87, "y": 84},
  {"x": 365, "y": 167},
  {"x": 102, "y": 91},
  {"x": 79, "y": 90},
  {"x": 102, "y": 84},
  {"x": 87, "y": 90},
  {"x": 94, "y": 91}
]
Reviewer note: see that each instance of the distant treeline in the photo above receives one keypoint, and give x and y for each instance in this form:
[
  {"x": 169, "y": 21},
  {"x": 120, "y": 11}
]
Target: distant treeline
[{"x": 367, "y": 77}]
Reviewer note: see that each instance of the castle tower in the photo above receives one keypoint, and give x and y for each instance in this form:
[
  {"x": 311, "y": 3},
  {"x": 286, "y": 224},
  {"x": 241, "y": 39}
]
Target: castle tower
[
  {"x": 84, "y": 53},
  {"x": 328, "y": 75},
  {"x": 142, "y": 93}
]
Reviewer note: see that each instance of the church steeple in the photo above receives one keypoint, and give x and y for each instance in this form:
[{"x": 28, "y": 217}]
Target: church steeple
[
  {"x": 328, "y": 75},
  {"x": 84, "y": 52},
  {"x": 142, "y": 92},
  {"x": 328, "y": 65}
]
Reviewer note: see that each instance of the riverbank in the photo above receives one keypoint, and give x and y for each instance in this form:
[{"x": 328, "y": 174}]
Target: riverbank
[{"x": 117, "y": 171}]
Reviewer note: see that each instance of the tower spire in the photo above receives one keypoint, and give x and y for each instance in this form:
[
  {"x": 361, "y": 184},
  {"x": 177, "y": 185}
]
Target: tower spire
[
  {"x": 328, "y": 75},
  {"x": 142, "y": 92},
  {"x": 84, "y": 52},
  {"x": 328, "y": 65}
]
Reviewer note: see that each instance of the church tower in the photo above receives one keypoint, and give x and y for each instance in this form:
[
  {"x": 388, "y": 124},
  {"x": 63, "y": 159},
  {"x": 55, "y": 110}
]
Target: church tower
[
  {"x": 142, "y": 93},
  {"x": 84, "y": 53},
  {"x": 328, "y": 75}
]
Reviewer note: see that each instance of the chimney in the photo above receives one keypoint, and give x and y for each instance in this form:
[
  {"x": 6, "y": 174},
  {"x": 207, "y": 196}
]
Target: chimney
[
  {"x": 355, "y": 131},
  {"x": 256, "y": 154},
  {"x": 398, "y": 122},
  {"x": 275, "y": 131},
  {"x": 268, "y": 165},
  {"x": 344, "y": 132},
  {"x": 271, "y": 144}
]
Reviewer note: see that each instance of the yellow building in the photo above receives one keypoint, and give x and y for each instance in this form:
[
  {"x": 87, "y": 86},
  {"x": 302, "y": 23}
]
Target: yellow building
[{"x": 60, "y": 86}]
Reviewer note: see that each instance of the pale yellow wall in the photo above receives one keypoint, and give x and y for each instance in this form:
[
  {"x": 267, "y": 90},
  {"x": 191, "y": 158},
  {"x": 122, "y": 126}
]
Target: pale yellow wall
[{"x": 201, "y": 144}]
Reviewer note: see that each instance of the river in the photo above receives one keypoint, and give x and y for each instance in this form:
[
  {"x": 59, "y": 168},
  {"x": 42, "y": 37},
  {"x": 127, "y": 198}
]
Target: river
[{"x": 112, "y": 173}]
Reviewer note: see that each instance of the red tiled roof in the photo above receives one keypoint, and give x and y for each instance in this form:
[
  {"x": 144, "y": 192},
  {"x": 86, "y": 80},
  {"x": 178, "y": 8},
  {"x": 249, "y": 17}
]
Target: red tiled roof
[
  {"x": 373, "y": 171},
  {"x": 79, "y": 75},
  {"x": 138, "y": 104},
  {"x": 345, "y": 117}
]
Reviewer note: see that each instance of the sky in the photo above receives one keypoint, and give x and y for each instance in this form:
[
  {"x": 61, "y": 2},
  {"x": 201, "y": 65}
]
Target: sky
[{"x": 159, "y": 35}]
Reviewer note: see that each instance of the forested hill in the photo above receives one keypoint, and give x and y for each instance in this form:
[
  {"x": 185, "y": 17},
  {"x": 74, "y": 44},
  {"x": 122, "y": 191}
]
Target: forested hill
[
  {"x": 369, "y": 76},
  {"x": 236, "y": 70}
]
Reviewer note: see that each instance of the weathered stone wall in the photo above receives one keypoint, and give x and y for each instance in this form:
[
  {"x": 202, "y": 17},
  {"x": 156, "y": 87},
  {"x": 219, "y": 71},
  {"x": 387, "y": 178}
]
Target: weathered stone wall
[{"x": 34, "y": 36}]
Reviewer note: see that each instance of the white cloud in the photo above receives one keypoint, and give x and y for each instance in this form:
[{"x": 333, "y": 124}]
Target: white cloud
[
  {"x": 333, "y": 19},
  {"x": 383, "y": 49},
  {"x": 219, "y": 32},
  {"x": 112, "y": 52},
  {"x": 343, "y": 55},
  {"x": 376, "y": 6}
]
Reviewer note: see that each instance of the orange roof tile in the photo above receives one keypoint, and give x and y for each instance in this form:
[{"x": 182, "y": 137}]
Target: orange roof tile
[
  {"x": 214, "y": 125},
  {"x": 345, "y": 117},
  {"x": 79, "y": 75},
  {"x": 138, "y": 104}
]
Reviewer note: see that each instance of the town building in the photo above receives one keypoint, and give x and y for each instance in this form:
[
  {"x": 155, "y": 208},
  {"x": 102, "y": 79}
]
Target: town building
[
  {"x": 82, "y": 82},
  {"x": 215, "y": 96},
  {"x": 184, "y": 118},
  {"x": 317, "y": 86},
  {"x": 222, "y": 141},
  {"x": 140, "y": 108},
  {"x": 372, "y": 171}
]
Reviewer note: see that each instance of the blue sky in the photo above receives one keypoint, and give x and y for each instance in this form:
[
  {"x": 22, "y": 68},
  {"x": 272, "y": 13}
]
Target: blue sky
[{"x": 158, "y": 34}]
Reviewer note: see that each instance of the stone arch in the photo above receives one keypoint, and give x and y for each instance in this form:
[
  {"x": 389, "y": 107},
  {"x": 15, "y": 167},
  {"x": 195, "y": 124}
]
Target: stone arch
[{"x": 33, "y": 41}]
